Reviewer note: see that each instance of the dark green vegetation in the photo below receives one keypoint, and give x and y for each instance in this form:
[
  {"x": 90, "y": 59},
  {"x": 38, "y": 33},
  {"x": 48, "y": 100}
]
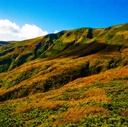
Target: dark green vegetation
[{"x": 72, "y": 78}]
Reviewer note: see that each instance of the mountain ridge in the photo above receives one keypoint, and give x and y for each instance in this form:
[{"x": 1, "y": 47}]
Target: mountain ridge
[{"x": 53, "y": 45}]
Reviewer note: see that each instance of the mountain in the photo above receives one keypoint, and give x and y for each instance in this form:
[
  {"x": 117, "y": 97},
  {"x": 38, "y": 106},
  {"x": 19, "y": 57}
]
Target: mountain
[
  {"x": 4, "y": 42},
  {"x": 72, "y": 78}
]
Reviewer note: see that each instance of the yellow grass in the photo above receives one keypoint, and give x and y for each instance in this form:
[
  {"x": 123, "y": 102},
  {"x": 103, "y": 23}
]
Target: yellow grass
[
  {"x": 74, "y": 115},
  {"x": 44, "y": 100}
]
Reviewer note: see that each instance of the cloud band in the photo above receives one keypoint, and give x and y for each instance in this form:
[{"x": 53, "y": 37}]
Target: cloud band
[{"x": 11, "y": 31}]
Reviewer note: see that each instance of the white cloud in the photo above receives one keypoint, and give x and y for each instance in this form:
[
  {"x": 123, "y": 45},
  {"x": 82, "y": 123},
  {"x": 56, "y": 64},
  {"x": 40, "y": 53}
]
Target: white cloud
[
  {"x": 11, "y": 31},
  {"x": 56, "y": 31}
]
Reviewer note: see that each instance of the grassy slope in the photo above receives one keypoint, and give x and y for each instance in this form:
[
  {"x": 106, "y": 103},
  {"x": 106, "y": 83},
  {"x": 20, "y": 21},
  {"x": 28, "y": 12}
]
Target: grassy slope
[
  {"x": 98, "y": 100},
  {"x": 73, "y": 78},
  {"x": 78, "y": 42}
]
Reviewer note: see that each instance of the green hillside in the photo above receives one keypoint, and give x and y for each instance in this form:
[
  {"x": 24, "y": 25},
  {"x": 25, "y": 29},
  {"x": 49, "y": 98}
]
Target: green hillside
[
  {"x": 75, "y": 78},
  {"x": 80, "y": 42}
]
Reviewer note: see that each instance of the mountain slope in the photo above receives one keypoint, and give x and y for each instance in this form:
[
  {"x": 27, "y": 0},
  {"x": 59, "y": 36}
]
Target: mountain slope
[
  {"x": 78, "y": 42},
  {"x": 72, "y": 78},
  {"x": 97, "y": 100}
]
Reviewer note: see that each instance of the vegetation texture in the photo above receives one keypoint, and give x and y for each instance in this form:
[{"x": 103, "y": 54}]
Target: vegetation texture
[{"x": 75, "y": 78}]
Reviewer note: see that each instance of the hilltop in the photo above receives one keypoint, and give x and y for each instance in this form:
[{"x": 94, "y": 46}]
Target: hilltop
[{"x": 72, "y": 78}]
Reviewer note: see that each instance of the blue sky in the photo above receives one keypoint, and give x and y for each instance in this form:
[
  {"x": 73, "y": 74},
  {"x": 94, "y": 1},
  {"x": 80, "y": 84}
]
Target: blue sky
[{"x": 51, "y": 15}]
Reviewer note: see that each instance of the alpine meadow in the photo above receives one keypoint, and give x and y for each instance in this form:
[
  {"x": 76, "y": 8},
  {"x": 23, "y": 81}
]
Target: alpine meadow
[{"x": 74, "y": 78}]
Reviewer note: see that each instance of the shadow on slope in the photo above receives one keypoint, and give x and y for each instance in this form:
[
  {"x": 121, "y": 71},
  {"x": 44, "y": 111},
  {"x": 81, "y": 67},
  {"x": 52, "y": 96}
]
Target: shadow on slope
[
  {"x": 9, "y": 61},
  {"x": 46, "y": 74}
]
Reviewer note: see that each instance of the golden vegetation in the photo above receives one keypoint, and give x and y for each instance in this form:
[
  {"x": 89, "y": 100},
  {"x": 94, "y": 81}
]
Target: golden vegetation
[{"x": 74, "y": 115}]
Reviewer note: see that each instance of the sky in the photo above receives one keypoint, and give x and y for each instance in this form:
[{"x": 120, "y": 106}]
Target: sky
[{"x": 24, "y": 19}]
